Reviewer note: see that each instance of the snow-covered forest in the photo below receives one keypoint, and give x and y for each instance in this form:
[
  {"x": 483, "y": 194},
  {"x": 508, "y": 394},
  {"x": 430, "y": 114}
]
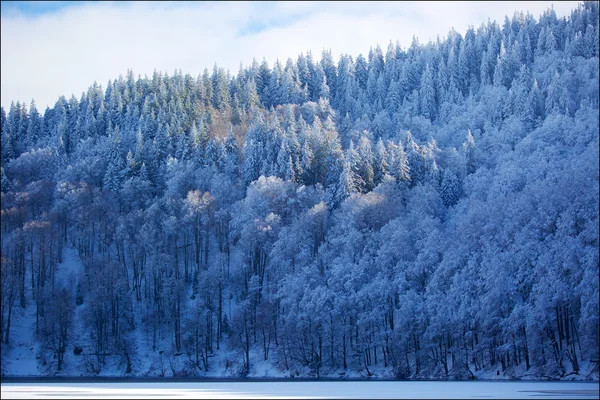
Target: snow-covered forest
[{"x": 420, "y": 212}]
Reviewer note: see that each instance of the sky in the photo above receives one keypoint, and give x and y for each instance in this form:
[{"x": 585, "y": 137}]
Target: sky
[{"x": 55, "y": 48}]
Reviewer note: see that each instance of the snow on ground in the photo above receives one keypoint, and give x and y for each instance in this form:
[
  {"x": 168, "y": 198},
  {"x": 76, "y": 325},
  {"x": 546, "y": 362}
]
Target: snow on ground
[
  {"x": 297, "y": 390},
  {"x": 22, "y": 357},
  {"x": 19, "y": 356},
  {"x": 68, "y": 274},
  {"x": 69, "y": 271}
]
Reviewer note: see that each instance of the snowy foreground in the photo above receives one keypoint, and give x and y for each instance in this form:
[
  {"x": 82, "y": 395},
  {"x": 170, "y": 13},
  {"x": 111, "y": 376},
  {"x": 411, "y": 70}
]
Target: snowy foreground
[{"x": 298, "y": 390}]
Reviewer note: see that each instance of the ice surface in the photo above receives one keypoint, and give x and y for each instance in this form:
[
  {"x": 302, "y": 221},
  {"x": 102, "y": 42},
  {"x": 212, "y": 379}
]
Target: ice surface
[{"x": 298, "y": 390}]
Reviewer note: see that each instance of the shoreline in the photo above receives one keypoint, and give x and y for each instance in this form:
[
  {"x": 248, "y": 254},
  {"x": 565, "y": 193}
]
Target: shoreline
[{"x": 136, "y": 379}]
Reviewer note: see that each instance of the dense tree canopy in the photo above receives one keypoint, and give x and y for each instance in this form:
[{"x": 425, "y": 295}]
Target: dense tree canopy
[{"x": 432, "y": 210}]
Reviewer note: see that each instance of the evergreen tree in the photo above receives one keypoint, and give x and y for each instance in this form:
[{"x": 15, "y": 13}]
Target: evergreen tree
[
  {"x": 285, "y": 166},
  {"x": 220, "y": 87},
  {"x": 231, "y": 155},
  {"x": 322, "y": 89},
  {"x": 34, "y": 129},
  {"x": 364, "y": 165},
  {"x": 22, "y": 128},
  {"x": 537, "y": 102},
  {"x": 349, "y": 181},
  {"x": 303, "y": 70},
  {"x": 5, "y": 184},
  {"x": 330, "y": 71},
  {"x": 2, "y": 118},
  {"x": 263, "y": 78},
  {"x": 208, "y": 89},
  {"x": 380, "y": 162},
  {"x": 450, "y": 188},
  {"x": 183, "y": 150},
  {"x": 113, "y": 178},
  {"x": 253, "y": 149},
  {"x": 214, "y": 153},
  {"x": 556, "y": 100},
  {"x": 140, "y": 147},
  {"x": 273, "y": 91},
  {"x": 399, "y": 168},
  {"x": 361, "y": 71},
  {"x": 306, "y": 164},
  {"x": 250, "y": 98},
  {"x": 469, "y": 152},
  {"x": 427, "y": 95},
  {"x": 132, "y": 167}
]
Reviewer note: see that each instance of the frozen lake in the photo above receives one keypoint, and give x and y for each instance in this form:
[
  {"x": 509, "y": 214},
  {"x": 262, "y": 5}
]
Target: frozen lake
[{"x": 307, "y": 389}]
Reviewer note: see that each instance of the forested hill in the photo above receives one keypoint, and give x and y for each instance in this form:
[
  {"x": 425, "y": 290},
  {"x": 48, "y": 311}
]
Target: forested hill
[{"x": 428, "y": 212}]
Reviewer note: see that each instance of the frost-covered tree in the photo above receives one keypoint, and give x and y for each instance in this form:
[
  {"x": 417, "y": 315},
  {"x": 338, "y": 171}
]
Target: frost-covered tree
[{"x": 319, "y": 215}]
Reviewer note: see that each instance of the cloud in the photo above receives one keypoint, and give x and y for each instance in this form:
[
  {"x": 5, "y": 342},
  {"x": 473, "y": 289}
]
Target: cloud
[{"x": 63, "y": 51}]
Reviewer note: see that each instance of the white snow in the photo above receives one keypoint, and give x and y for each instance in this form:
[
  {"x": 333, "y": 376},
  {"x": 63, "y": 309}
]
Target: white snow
[
  {"x": 298, "y": 390},
  {"x": 19, "y": 358},
  {"x": 22, "y": 356}
]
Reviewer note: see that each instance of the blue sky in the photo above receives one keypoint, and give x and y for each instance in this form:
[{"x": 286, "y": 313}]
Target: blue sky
[
  {"x": 39, "y": 7},
  {"x": 34, "y": 7},
  {"x": 58, "y": 48}
]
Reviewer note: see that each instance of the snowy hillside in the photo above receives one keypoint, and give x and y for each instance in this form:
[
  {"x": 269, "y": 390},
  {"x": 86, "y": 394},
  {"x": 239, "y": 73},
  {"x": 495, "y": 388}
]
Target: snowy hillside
[{"x": 428, "y": 212}]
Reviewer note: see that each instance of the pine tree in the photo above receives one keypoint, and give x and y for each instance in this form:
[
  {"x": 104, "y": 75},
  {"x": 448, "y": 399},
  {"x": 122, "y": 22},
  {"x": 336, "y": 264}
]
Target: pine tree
[
  {"x": 550, "y": 41},
  {"x": 144, "y": 173},
  {"x": 2, "y": 118},
  {"x": 462, "y": 72},
  {"x": 161, "y": 145},
  {"x": 322, "y": 91},
  {"x": 34, "y": 129},
  {"x": 231, "y": 155},
  {"x": 330, "y": 71},
  {"x": 132, "y": 167},
  {"x": 556, "y": 100},
  {"x": 303, "y": 71},
  {"x": 427, "y": 95},
  {"x": 113, "y": 178},
  {"x": 22, "y": 129},
  {"x": 183, "y": 150},
  {"x": 450, "y": 188},
  {"x": 5, "y": 184},
  {"x": 486, "y": 77},
  {"x": 285, "y": 167},
  {"x": 10, "y": 132},
  {"x": 64, "y": 137},
  {"x": 399, "y": 168},
  {"x": 469, "y": 152},
  {"x": 253, "y": 150},
  {"x": 200, "y": 141},
  {"x": 220, "y": 86},
  {"x": 347, "y": 185},
  {"x": 353, "y": 161},
  {"x": 214, "y": 153},
  {"x": 334, "y": 158},
  {"x": 393, "y": 101},
  {"x": 537, "y": 102},
  {"x": 498, "y": 73},
  {"x": 207, "y": 86},
  {"x": 101, "y": 128},
  {"x": 250, "y": 97},
  {"x": 306, "y": 164},
  {"x": 273, "y": 91},
  {"x": 140, "y": 146},
  {"x": 523, "y": 105},
  {"x": 380, "y": 162},
  {"x": 262, "y": 82},
  {"x": 361, "y": 71},
  {"x": 288, "y": 88}
]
